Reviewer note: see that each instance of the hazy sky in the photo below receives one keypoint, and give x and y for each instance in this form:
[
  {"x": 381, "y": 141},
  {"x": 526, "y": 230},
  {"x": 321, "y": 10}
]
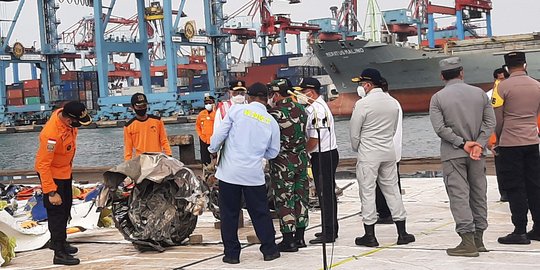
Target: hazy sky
[{"x": 509, "y": 17}]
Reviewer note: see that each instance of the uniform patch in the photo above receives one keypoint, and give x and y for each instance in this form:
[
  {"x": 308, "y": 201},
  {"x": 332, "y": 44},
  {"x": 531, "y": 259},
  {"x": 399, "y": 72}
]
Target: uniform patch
[{"x": 51, "y": 143}]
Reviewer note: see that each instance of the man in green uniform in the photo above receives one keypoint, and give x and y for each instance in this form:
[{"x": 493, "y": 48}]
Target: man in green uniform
[{"x": 289, "y": 169}]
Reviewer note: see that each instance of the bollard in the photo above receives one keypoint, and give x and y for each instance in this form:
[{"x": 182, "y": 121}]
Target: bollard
[{"x": 186, "y": 147}]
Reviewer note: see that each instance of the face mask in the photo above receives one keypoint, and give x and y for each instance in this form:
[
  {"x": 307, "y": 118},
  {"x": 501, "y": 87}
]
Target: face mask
[
  {"x": 208, "y": 107},
  {"x": 239, "y": 99},
  {"x": 271, "y": 102},
  {"x": 302, "y": 99},
  {"x": 361, "y": 91},
  {"x": 75, "y": 124},
  {"x": 141, "y": 112}
]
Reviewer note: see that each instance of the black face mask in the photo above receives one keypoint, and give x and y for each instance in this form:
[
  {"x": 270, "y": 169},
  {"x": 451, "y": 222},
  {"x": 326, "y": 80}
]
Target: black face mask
[
  {"x": 141, "y": 112},
  {"x": 75, "y": 123}
]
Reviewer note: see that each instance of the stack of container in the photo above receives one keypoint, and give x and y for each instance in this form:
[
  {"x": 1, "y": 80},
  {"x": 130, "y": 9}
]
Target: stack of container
[
  {"x": 32, "y": 92},
  {"x": 80, "y": 86},
  {"x": 295, "y": 74},
  {"x": 15, "y": 94}
]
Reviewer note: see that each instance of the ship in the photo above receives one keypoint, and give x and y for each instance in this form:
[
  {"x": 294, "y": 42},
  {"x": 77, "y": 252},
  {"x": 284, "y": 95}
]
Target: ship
[
  {"x": 412, "y": 70},
  {"x": 413, "y": 75}
]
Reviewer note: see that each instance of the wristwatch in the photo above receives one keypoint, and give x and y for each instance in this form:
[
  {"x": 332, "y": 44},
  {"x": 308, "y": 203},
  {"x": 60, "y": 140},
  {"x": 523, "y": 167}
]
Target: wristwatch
[
  {"x": 462, "y": 145},
  {"x": 52, "y": 193}
]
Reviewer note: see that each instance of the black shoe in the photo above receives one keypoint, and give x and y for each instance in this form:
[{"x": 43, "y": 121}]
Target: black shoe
[
  {"x": 514, "y": 239},
  {"x": 534, "y": 235},
  {"x": 385, "y": 220},
  {"x": 230, "y": 260},
  {"x": 64, "y": 258},
  {"x": 271, "y": 257},
  {"x": 70, "y": 249},
  {"x": 367, "y": 241},
  {"x": 321, "y": 239},
  {"x": 301, "y": 243},
  {"x": 287, "y": 246},
  {"x": 319, "y": 234},
  {"x": 405, "y": 239}
]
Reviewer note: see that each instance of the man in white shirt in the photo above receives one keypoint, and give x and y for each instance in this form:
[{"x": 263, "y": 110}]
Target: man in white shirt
[
  {"x": 322, "y": 146},
  {"x": 247, "y": 134},
  {"x": 373, "y": 126}
]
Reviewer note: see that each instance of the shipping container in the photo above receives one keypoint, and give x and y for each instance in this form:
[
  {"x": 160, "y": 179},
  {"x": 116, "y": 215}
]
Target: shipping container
[
  {"x": 15, "y": 101},
  {"x": 69, "y": 86},
  {"x": 200, "y": 79},
  {"x": 90, "y": 75},
  {"x": 14, "y": 93},
  {"x": 157, "y": 80},
  {"x": 183, "y": 89},
  {"x": 278, "y": 59},
  {"x": 82, "y": 95},
  {"x": 32, "y": 84},
  {"x": 201, "y": 88},
  {"x": 304, "y": 61},
  {"x": 87, "y": 85},
  {"x": 32, "y": 100},
  {"x": 69, "y": 76},
  {"x": 15, "y": 86},
  {"x": 32, "y": 92}
]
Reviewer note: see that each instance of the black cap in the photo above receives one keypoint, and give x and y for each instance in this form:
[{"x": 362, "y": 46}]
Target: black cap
[
  {"x": 384, "y": 84},
  {"x": 370, "y": 75},
  {"x": 309, "y": 82},
  {"x": 237, "y": 85},
  {"x": 258, "y": 90},
  {"x": 77, "y": 111},
  {"x": 139, "y": 99},
  {"x": 209, "y": 98},
  {"x": 281, "y": 85},
  {"x": 514, "y": 59}
]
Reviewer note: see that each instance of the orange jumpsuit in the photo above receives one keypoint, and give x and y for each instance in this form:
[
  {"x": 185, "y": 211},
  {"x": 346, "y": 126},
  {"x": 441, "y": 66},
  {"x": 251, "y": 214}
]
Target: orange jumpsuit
[
  {"x": 205, "y": 125},
  {"x": 145, "y": 136},
  {"x": 54, "y": 159}
]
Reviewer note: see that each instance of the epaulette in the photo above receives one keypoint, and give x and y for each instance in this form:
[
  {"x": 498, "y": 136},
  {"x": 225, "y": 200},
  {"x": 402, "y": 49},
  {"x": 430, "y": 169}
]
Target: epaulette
[{"x": 130, "y": 121}]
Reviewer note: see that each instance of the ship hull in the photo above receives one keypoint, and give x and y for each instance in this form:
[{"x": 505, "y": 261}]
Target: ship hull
[{"x": 414, "y": 75}]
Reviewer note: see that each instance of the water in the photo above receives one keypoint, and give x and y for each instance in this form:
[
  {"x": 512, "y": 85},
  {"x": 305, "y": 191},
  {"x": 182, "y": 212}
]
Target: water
[{"x": 104, "y": 147}]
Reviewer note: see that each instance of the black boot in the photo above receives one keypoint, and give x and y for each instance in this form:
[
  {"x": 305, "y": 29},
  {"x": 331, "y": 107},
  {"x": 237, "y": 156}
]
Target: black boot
[
  {"x": 61, "y": 257},
  {"x": 403, "y": 237},
  {"x": 70, "y": 249},
  {"x": 368, "y": 239},
  {"x": 288, "y": 244},
  {"x": 299, "y": 237}
]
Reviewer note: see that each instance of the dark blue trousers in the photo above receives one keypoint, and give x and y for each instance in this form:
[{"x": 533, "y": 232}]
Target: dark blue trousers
[{"x": 230, "y": 199}]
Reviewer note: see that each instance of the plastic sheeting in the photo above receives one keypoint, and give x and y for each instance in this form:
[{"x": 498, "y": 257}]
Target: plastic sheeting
[{"x": 161, "y": 209}]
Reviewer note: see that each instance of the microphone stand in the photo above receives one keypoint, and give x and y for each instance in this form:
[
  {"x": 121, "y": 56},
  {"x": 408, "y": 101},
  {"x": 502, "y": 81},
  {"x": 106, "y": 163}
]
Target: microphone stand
[{"x": 320, "y": 192}]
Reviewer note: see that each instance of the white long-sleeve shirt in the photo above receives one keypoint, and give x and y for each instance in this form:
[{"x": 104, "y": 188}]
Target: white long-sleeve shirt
[{"x": 247, "y": 134}]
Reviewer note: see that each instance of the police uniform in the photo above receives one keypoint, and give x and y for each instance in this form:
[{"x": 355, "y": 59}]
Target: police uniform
[
  {"x": 460, "y": 113},
  {"x": 205, "y": 127},
  {"x": 246, "y": 136},
  {"x": 54, "y": 161},
  {"x": 148, "y": 135},
  {"x": 288, "y": 170},
  {"x": 517, "y": 106}
]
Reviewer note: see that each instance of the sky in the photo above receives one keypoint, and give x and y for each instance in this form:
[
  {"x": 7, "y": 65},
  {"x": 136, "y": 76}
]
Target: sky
[{"x": 508, "y": 17}]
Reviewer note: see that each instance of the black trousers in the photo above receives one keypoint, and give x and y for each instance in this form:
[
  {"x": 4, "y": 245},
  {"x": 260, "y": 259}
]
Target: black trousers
[
  {"x": 58, "y": 215},
  {"x": 327, "y": 167},
  {"x": 499, "y": 175},
  {"x": 520, "y": 170},
  {"x": 205, "y": 155},
  {"x": 230, "y": 203},
  {"x": 380, "y": 201}
]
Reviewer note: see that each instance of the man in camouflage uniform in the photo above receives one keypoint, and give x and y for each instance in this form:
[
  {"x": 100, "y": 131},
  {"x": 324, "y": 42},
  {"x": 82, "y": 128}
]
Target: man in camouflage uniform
[{"x": 289, "y": 169}]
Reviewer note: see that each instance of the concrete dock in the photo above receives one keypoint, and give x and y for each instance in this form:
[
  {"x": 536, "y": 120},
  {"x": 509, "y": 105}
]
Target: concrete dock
[{"x": 429, "y": 219}]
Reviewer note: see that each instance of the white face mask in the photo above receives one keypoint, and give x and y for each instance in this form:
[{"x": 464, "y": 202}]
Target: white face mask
[
  {"x": 361, "y": 91},
  {"x": 271, "y": 102},
  {"x": 208, "y": 107},
  {"x": 302, "y": 99},
  {"x": 239, "y": 99}
]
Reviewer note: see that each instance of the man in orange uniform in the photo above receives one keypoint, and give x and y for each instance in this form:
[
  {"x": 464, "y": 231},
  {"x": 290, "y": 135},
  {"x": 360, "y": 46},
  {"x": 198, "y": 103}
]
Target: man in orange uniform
[
  {"x": 54, "y": 161},
  {"x": 145, "y": 133},
  {"x": 205, "y": 128}
]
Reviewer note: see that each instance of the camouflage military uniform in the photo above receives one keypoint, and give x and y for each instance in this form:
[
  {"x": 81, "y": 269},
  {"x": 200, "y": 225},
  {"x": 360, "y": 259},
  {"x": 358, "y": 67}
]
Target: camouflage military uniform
[{"x": 289, "y": 169}]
